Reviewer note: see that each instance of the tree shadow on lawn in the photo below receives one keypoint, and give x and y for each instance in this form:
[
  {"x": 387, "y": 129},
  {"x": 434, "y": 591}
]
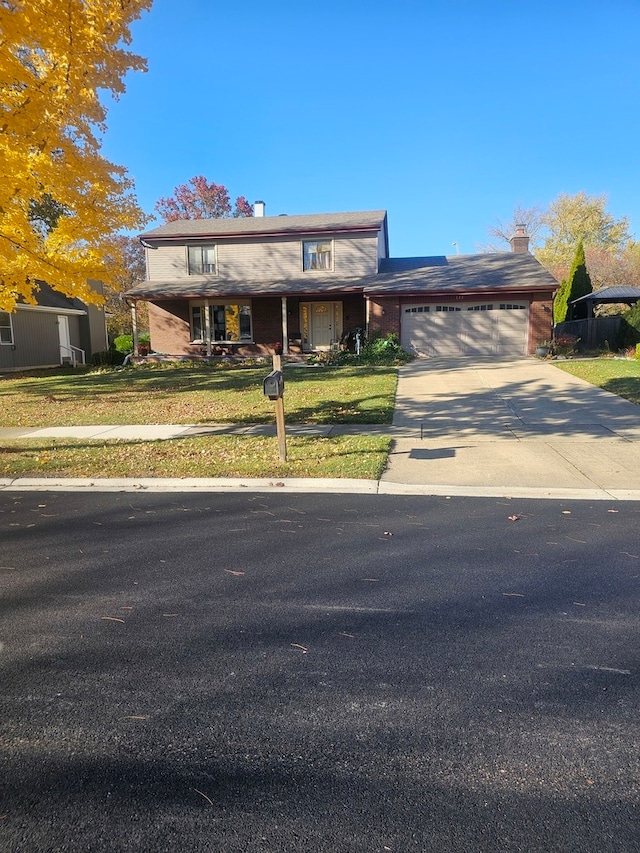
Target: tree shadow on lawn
[{"x": 627, "y": 387}]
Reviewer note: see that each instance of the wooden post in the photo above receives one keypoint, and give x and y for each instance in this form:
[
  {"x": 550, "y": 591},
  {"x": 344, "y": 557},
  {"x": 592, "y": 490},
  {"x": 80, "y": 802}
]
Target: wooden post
[{"x": 280, "y": 427}]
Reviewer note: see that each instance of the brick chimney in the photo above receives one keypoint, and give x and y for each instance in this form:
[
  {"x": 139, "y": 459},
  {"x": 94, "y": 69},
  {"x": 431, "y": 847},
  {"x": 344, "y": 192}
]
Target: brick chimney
[
  {"x": 520, "y": 240},
  {"x": 258, "y": 208}
]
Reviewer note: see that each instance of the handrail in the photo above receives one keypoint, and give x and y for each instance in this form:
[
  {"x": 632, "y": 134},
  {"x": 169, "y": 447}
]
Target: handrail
[{"x": 72, "y": 354}]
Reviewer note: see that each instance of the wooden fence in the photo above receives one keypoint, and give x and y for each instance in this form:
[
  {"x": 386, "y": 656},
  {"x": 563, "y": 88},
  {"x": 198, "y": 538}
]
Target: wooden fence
[{"x": 594, "y": 333}]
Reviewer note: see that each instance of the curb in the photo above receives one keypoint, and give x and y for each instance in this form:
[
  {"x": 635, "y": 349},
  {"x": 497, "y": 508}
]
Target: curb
[{"x": 299, "y": 485}]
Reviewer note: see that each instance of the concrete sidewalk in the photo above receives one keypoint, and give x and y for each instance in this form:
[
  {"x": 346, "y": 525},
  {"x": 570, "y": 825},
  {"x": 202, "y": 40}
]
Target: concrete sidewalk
[{"x": 522, "y": 428}]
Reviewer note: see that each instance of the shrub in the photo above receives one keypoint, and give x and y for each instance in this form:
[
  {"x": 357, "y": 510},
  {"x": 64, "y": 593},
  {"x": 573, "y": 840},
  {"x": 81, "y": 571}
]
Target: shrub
[
  {"x": 124, "y": 343},
  {"x": 629, "y": 332},
  {"x": 107, "y": 358}
]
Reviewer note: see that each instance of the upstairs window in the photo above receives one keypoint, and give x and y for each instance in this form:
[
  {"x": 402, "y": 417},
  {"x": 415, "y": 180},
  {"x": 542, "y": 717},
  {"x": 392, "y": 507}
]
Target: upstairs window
[
  {"x": 202, "y": 260},
  {"x": 6, "y": 329},
  {"x": 317, "y": 255}
]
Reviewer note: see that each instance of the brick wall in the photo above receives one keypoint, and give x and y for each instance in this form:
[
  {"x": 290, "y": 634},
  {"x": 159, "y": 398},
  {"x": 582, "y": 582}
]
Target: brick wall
[
  {"x": 540, "y": 323},
  {"x": 384, "y": 315},
  {"x": 169, "y": 327}
]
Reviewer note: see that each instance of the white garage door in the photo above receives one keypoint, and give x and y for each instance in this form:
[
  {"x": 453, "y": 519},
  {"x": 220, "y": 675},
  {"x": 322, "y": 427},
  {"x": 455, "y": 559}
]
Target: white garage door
[{"x": 482, "y": 328}]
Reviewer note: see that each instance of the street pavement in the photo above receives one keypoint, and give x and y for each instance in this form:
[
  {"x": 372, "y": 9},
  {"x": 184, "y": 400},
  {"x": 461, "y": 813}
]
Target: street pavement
[
  {"x": 251, "y": 673},
  {"x": 461, "y": 427}
]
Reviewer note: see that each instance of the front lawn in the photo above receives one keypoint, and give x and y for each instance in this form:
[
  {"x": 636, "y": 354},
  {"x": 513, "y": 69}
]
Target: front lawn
[
  {"x": 620, "y": 376},
  {"x": 196, "y": 395},
  {"x": 361, "y": 457}
]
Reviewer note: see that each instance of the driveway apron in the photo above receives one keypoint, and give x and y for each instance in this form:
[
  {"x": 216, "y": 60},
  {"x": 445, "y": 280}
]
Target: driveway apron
[{"x": 517, "y": 423}]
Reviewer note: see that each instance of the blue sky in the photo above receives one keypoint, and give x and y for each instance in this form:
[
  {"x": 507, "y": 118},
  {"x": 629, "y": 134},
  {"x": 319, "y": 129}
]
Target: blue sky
[{"x": 446, "y": 114}]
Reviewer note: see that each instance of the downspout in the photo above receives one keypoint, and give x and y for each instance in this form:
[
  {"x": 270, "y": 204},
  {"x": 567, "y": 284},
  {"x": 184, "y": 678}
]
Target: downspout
[{"x": 285, "y": 327}]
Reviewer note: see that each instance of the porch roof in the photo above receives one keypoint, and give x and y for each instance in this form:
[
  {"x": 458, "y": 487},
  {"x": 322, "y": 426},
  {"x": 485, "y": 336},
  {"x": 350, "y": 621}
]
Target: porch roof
[
  {"x": 197, "y": 287},
  {"x": 408, "y": 276}
]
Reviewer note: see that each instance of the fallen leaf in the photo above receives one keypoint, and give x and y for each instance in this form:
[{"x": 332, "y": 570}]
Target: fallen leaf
[
  {"x": 514, "y": 517},
  {"x": 232, "y": 572}
]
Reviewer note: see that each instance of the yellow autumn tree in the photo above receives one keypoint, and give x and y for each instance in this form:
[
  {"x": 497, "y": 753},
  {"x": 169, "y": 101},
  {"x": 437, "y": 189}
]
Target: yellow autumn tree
[{"x": 61, "y": 201}]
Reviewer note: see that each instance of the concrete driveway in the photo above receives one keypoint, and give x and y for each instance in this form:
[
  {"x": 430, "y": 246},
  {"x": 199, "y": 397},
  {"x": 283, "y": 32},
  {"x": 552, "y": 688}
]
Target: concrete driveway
[{"x": 521, "y": 424}]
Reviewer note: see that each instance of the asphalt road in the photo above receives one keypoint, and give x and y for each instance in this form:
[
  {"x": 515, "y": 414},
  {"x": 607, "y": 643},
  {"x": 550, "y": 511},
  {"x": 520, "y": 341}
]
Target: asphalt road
[{"x": 258, "y": 672}]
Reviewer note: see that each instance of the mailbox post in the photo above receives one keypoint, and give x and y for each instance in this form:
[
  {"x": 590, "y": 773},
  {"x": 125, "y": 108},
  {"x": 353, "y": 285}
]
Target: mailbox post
[{"x": 273, "y": 388}]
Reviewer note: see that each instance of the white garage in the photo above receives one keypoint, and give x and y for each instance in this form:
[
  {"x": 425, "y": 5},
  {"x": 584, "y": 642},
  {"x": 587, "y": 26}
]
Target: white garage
[{"x": 469, "y": 328}]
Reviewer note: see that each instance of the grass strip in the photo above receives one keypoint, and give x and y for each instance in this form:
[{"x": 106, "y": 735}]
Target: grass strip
[
  {"x": 619, "y": 376},
  {"x": 360, "y": 457}
]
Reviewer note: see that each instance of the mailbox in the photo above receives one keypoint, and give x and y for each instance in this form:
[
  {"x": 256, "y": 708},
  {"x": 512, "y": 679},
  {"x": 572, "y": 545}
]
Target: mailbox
[{"x": 273, "y": 385}]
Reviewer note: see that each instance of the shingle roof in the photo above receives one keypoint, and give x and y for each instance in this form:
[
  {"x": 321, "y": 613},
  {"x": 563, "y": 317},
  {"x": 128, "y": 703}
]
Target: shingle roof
[
  {"x": 417, "y": 276},
  {"x": 499, "y": 271},
  {"x": 196, "y": 287},
  {"x": 260, "y": 225}
]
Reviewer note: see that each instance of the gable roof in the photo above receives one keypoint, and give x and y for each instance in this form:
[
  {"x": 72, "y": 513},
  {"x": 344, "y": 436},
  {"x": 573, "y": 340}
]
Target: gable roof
[
  {"x": 367, "y": 220},
  {"x": 461, "y": 273}
]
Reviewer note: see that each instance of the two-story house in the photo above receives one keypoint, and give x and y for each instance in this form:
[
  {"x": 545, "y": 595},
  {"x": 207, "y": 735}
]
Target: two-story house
[{"x": 242, "y": 285}]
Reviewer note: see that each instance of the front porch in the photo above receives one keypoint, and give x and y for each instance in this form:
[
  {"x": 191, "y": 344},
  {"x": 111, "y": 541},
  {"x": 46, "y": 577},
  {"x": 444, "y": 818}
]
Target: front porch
[{"x": 234, "y": 327}]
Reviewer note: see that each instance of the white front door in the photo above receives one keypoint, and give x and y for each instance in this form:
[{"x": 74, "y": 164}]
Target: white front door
[{"x": 65, "y": 341}]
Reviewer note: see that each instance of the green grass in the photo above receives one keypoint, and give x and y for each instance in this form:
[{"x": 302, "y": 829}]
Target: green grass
[
  {"x": 217, "y": 456},
  {"x": 197, "y": 395},
  {"x": 620, "y": 376}
]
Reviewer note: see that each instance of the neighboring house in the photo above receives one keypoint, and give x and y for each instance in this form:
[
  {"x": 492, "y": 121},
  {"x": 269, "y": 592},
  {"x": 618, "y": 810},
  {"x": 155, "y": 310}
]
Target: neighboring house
[
  {"x": 56, "y": 331},
  {"x": 241, "y": 285}
]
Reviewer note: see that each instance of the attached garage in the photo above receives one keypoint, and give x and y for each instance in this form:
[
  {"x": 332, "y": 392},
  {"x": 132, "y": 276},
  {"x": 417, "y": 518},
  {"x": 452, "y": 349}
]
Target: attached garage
[{"x": 471, "y": 328}]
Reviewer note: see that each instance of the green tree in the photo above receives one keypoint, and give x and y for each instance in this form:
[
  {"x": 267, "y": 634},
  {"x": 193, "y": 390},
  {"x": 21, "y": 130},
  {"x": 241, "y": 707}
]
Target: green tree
[
  {"x": 577, "y": 284},
  {"x": 580, "y": 217}
]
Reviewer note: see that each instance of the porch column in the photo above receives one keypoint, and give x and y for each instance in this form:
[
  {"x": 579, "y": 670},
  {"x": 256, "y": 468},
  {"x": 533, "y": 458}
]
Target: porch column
[
  {"x": 134, "y": 326},
  {"x": 207, "y": 326},
  {"x": 285, "y": 327}
]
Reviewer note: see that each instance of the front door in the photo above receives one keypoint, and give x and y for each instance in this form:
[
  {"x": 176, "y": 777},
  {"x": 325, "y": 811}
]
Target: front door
[
  {"x": 66, "y": 353},
  {"x": 321, "y": 325}
]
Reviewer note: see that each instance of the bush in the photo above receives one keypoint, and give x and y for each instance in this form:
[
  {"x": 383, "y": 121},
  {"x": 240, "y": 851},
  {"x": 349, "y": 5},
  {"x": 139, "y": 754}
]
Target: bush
[
  {"x": 629, "y": 332},
  {"x": 107, "y": 358},
  {"x": 124, "y": 343},
  {"x": 375, "y": 351}
]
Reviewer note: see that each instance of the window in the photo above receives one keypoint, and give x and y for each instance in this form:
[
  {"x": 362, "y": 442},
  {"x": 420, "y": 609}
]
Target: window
[
  {"x": 202, "y": 260},
  {"x": 486, "y": 307},
  {"x": 226, "y": 323},
  {"x": 447, "y": 308},
  {"x": 317, "y": 255},
  {"x": 6, "y": 329}
]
